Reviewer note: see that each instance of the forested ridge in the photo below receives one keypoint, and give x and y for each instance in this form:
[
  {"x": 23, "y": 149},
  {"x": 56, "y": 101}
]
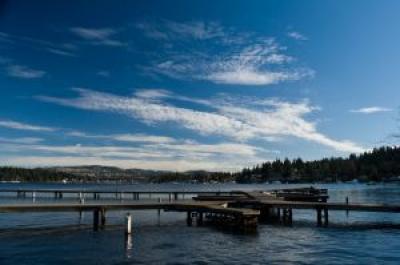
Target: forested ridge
[{"x": 377, "y": 165}]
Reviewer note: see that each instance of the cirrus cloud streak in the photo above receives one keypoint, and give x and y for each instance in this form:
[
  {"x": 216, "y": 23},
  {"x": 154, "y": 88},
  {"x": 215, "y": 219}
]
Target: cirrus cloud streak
[{"x": 233, "y": 118}]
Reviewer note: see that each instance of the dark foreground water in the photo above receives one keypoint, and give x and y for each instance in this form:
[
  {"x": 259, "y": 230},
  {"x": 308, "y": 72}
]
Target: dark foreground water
[{"x": 64, "y": 238}]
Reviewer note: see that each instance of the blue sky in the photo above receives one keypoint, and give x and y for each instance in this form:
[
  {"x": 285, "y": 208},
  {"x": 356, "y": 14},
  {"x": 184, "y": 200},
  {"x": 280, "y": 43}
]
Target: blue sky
[{"x": 182, "y": 85}]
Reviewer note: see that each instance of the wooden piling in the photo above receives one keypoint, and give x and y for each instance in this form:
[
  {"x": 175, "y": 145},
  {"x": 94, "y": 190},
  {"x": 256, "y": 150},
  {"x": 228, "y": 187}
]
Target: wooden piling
[
  {"x": 319, "y": 217},
  {"x": 128, "y": 224},
  {"x": 189, "y": 218},
  {"x": 326, "y": 217},
  {"x": 284, "y": 216},
  {"x": 278, "y": 214},
  {"x": 200, "y": 219},
  {"x": 103, "y": 217}
]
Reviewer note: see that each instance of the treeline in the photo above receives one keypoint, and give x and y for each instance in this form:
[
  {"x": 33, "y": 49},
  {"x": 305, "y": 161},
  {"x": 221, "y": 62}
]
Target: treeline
[
  {"x": 378, "y": 165},
  {"x": 32, "y": 175},
  {"x": 194, "y": 177}
]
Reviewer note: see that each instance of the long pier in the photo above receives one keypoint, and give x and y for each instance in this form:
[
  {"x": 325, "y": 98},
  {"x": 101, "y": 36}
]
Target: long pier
[
  {"x": 237, "y": 209},
  {"x": 239, "y": 218},
  {"x": 119, "y": 194}
]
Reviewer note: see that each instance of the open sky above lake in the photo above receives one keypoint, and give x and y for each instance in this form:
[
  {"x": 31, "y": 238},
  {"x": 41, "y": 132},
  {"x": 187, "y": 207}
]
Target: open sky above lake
[{"x": 181, "y": 85}]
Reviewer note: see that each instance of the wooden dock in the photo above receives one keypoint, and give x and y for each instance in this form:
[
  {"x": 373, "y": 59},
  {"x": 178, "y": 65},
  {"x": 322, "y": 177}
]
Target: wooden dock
[
  {"x": 239, "y": 218},
  {"x": 118, "y": 194},
  {"x": 234, "y": 209}
]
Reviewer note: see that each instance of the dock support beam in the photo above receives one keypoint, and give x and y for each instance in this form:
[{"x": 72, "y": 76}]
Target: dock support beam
[
  {"x": 287, "y": 216},
  {"x": 103, "y": 218},
  {"x": 189, "y": 218},
  {"x": 199, "y": 219},
  {"x": 325, "y": 216}
]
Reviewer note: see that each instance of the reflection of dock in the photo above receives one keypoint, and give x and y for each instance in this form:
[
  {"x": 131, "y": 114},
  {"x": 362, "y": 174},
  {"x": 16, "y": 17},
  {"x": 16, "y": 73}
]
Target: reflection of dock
[{"x": 236, "y": 209}]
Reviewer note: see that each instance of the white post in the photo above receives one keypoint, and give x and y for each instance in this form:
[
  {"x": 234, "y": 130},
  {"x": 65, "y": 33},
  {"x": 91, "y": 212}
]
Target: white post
[{"x": 128, "y": 222}]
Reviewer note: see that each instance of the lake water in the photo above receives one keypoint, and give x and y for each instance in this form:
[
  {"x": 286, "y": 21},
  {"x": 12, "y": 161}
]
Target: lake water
[{"x": 64, "y": 238}]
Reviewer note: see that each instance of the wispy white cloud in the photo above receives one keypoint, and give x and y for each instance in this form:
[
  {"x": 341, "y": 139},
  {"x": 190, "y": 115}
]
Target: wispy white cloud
[
  {"x": 103, "y": 73},
  {"x": 63, "y": 49},
  {"x": 154, "y": 150},
  {"x": 24, "y": 126},
  {"x": 370, "y": 110},
  {"x": 166, "y": 154},
  {"x": 165, "y": 143},
  {"x": 61, "y": 52},
  {"x": 152, "y": 31},
  {"x": 21, "y": 140},
  {"x": 196, "y": 29},
  {"x": 21, "y": 71},
  {"x": 167, "y": 29},
  {"x": 98, "y": 36},
  {"x": 297, "y": 35},
  {"x": 152, "y": 93},
  {"x": 142, "y": 138},
  {"x": 133, "y": 138},
  {"x": 211, "y": 52},
  {"x": 250, "y": 66},
  {"x": 173, "y": 165},
  {"x": 262, "y": 119}
]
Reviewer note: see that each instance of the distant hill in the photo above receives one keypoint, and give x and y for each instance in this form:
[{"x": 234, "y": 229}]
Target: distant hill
[{"x": 94, "y": 173}]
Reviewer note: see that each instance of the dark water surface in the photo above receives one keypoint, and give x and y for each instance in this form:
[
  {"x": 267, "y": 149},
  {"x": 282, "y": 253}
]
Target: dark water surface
[{"x": 64, "y": 238}]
